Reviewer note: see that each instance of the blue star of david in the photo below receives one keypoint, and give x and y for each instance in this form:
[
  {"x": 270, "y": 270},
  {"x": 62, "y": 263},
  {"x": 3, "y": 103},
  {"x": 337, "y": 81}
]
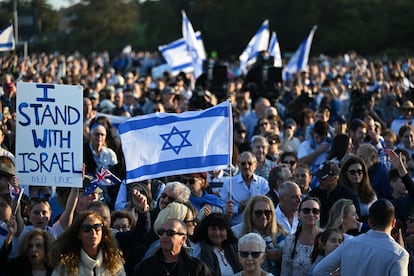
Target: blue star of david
[
  {"x": 193, "y": 52},
  {"x": 175, "y": 132}
]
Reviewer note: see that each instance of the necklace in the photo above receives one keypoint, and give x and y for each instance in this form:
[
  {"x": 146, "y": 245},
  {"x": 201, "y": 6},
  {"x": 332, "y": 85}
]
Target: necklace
[
  {"x": 168, "y": 272},
  {"x": 223, "y": 257}
]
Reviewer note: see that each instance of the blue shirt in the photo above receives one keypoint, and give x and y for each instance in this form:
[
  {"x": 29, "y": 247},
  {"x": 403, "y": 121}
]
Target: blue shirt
[
  {"x": 373, "y": 253},
  {"x": 240, "y": 192}
]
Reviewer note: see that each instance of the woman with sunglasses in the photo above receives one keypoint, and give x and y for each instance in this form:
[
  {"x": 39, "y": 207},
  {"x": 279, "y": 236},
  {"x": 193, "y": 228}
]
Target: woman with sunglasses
[
  {"x": 218, "y": 245},
  {"x": 87, "y": 247},
  {"x": 252, "y": 253},
  {"x": 259, "y": 217},
  {"x": 297, "y": 249},
  {"x": 354, "y": 175}
]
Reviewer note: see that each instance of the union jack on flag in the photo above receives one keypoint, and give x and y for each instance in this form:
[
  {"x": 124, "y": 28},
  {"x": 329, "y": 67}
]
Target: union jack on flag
[
  {"x": 105, "y": 178},
  {"x": 15, "y": 192}
]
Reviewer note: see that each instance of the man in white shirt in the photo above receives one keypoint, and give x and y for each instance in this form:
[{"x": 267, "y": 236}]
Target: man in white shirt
[
  {"x": 244, "y": 185},
  {"x": 290, "y": 197}
]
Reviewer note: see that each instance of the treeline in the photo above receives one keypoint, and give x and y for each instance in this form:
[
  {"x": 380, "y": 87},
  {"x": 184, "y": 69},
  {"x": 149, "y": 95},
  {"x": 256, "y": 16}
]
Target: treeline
[{"x": 371, "y": 27}]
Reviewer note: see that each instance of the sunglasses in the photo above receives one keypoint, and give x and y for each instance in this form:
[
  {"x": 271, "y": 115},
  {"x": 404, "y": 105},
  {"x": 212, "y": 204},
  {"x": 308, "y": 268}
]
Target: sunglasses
[
  {"x": 353, "y": 172},
  {"x": 169, "y": 232},
  {"x": 86, "y": 228},
  {"x": 194, "y": 221},
  {"x": 291, "y": 162},
  {"x": 259, "y": 213},
  {"x": 307, "y": 211},
  {"x": 264, "y": 124},
  {"x": 190, "y": 181},
  {"x": 254, "y": 254},
  {"x": 170, "y": 198},
  {"x": 246, "y": 163}
]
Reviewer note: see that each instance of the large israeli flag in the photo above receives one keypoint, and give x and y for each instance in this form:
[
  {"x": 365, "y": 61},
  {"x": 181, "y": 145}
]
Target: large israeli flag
[
  {"x": 299, "y": 61},
  {"x": 259, "y": 42},
  {"x": 177, "y": 56},
  {"x": 196, "y": 49},
  {"x": 163, "y": 144},
  {"x": 274, "y": 50},
  {"x": 7, "y": 39}
]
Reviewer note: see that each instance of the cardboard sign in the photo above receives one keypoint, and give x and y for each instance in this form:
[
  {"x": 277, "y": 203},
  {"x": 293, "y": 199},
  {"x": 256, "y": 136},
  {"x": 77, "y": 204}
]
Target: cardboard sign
[{"x": 49, "y": 134}]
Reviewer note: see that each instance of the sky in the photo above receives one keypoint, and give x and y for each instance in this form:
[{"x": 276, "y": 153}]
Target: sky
[{"x": 57, "y": 4}]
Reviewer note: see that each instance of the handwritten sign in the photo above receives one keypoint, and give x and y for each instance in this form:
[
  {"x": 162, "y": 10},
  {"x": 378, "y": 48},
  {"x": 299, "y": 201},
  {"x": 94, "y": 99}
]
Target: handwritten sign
[{"x": 49, "y": 134}]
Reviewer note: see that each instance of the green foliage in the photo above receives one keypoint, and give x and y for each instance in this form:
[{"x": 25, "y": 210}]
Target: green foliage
[{"x": 367, "y": 26}]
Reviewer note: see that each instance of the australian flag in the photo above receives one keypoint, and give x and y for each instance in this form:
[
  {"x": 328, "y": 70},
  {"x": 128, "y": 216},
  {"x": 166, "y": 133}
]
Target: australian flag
[
  {"x": 102, "y": 178},
  {"x": 15, "y": 192}
]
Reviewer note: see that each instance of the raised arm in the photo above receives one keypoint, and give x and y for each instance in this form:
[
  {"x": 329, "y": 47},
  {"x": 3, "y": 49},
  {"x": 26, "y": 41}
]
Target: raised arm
[{"x": 66, "y": 218}]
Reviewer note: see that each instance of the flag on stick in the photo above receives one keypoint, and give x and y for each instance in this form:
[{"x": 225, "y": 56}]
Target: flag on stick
[
  {"x": 177, "y": 56},
  {"x": 7, "y": 39},
  {"x": 259, "y": 42},
  {"x": 163, "y": 144},
  {"x": 299, "y": 61},
  {"x": 274, "y": 50},
  {"x": 196, "y": 49}
]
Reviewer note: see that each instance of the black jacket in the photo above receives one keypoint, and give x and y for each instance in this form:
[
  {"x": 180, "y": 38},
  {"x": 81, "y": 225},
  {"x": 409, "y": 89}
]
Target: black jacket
[{"x": 186, "y": 266}]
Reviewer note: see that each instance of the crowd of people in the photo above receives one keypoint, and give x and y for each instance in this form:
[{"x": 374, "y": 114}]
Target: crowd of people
[{"x": 321, "y": 179}]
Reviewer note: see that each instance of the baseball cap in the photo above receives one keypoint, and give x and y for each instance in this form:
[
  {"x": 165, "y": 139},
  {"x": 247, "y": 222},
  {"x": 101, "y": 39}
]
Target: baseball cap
[{"x": 328, "y": 168}]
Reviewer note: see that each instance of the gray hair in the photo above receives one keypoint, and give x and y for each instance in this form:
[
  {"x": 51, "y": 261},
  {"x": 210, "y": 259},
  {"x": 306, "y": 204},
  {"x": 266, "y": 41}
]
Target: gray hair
[
  {"x": 258, "y": 138},
  {"x": 183, "y": 192},
  {"x": 286, "y": 186},
  {"x": 253, "y": 238}
]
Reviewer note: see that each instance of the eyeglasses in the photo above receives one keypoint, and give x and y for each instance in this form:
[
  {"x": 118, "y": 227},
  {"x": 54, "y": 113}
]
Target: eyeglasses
[
  {"x": 307, "y": 211},
  {"x": 353, "y": 172},
  {"x": 410, "y": 219},
  {"x": 254, "y": 254},
  {"x": 246, "y": 163},
  {"x": 86, "y": 228},
  {"x": 190, "y": 181},
  {"x": 169, "y": 232},
  {"x": 259, "y": 213},
  {"x": 290, "y": 162},
  {"x": 193, "y": 221},
  {"x": 170, "y": 198}
]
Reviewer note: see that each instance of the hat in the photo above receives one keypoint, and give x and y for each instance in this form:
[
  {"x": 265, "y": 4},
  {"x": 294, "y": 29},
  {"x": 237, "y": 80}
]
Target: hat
[
  {"x": 407, "y": 104},
  {"x": 290, "y": 122},
  {"x": 94, "y": 95},
  {"x": 201, "y": 174},
  {"x": 168, "y": 90},
  {"x": 328, "y": 168},
  {"x": 340, "y": 120},
  {"x": 7, "y": 168}
]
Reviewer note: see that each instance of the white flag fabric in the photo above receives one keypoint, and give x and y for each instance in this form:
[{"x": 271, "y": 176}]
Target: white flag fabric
[
  {"x": 274, "y": 50},
  {"x": 7, "y": 42},
  {"x": 259, "y": 42},
  {"x": 163, "y": 144},
  {"x": 177, "y": 56},
  {"x": 196, "y": 50},
  {"x": 299, "y": 61}
]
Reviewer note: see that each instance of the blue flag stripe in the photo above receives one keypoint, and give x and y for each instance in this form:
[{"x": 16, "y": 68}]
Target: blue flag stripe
[
  {"x": 178, "y": 164},
  {"x": 154, "y": 121},
  {"x": 8, "y": 44}
]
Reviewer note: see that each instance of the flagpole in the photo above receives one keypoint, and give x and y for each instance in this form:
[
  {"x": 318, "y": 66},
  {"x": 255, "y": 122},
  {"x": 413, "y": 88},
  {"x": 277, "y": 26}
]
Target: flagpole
[{"x": 230, "y": 149}]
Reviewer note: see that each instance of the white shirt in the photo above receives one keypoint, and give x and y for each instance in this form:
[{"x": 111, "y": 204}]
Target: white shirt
[
  {"x": 240, "y": 192},
  {"x": 284, "y": 221}
]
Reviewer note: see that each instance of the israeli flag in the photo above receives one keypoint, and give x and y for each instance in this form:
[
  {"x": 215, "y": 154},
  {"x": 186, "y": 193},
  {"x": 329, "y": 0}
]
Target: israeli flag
[
  {"x": 177, "y": 56},
  {"x": 163, "y": 144},
  {"x": 259, "y": 42},
  {"x": 299, "y": 61},
  {"x": 274, "y": 50},
  {"x": 196, "y": 49},
  {"x": 7, "y": 42}
]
